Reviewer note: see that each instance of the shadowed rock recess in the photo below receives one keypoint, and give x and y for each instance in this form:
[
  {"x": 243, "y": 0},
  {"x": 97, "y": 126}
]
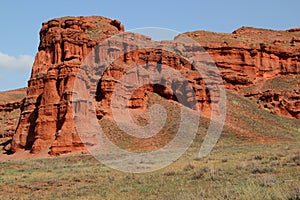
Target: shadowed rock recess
[{"x": 246, "y": 58}]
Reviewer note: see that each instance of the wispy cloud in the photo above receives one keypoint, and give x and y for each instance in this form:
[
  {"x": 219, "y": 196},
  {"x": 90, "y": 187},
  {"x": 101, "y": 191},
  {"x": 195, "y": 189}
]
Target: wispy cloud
[{"x": 19, "y": 62}]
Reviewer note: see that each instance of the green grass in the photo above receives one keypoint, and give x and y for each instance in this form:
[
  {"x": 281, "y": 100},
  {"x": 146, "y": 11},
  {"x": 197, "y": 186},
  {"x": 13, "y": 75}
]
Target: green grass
[
  {"x": 239, "y": 167},
  {"x": 245, "y": 114},
  {"x": 236, "y": 171}
]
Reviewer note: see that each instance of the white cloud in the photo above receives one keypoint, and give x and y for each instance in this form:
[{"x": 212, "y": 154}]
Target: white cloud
[{"x": 11, "y": 62}]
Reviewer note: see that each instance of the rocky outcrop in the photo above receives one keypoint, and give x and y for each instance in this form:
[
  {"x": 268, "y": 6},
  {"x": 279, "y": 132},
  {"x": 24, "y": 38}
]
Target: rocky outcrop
[
  {"x": 249, "y": 55},
  {"x": 9, "y": 115},
  {"x": 135, "y": 68},
  {"x": 284, "y": 103},
  {"x": 46, "y": 121},
  {"x": 10, "y": 106},
  {"x": 244, "y": 58}
]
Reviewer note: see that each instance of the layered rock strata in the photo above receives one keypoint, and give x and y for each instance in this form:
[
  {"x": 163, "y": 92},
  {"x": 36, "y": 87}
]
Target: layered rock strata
[{"x": 245, "y": 57}]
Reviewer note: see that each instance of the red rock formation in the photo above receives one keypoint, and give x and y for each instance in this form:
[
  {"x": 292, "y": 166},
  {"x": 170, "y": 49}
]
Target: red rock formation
[
  {"x": 9, "y": 113},
  {"x": 136, "y": 65},
  {"x": 249, "y": 55},
  {"x": 46, "y": 120},
  {"x": 281, "y": 103},
  {"x": 281, "y": 98}
]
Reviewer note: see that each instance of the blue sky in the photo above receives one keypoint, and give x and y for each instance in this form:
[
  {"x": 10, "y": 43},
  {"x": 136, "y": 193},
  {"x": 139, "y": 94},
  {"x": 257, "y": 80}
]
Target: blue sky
[{"x": 21, "y": 21}]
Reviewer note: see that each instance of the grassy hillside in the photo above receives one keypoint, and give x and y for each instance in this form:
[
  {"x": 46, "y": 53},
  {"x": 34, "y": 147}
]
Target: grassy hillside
[
  {"x": 279, "y": 84},
  {"x": 13, "y": 95},
  {"x": 257, "y": 157},
  {"x": 236, "y": 171},
  {"x": 246, "y": 119}
]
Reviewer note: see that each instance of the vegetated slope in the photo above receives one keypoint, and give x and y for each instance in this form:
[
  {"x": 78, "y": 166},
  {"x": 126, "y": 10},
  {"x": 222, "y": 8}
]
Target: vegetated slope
[
  {"x": 13, "y": 95},
  {"x": 245, "y": 122},
  {"x": 237, "y": 168}
]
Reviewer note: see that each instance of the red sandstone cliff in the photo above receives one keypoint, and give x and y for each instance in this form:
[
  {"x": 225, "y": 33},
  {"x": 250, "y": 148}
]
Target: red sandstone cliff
[
  {"x": 249, "y": 57},
  {"x": 245, "y": 58},
  {"x": 249, "y": 54},
  {"x": 9, "y": 113},
  {"x": 10, "y": 109},
  {"x": 46, "y": 120}
]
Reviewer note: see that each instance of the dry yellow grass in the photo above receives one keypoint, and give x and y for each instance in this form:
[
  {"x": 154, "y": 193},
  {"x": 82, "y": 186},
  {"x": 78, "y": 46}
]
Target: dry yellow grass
[{"x": 13, "y": 95}]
